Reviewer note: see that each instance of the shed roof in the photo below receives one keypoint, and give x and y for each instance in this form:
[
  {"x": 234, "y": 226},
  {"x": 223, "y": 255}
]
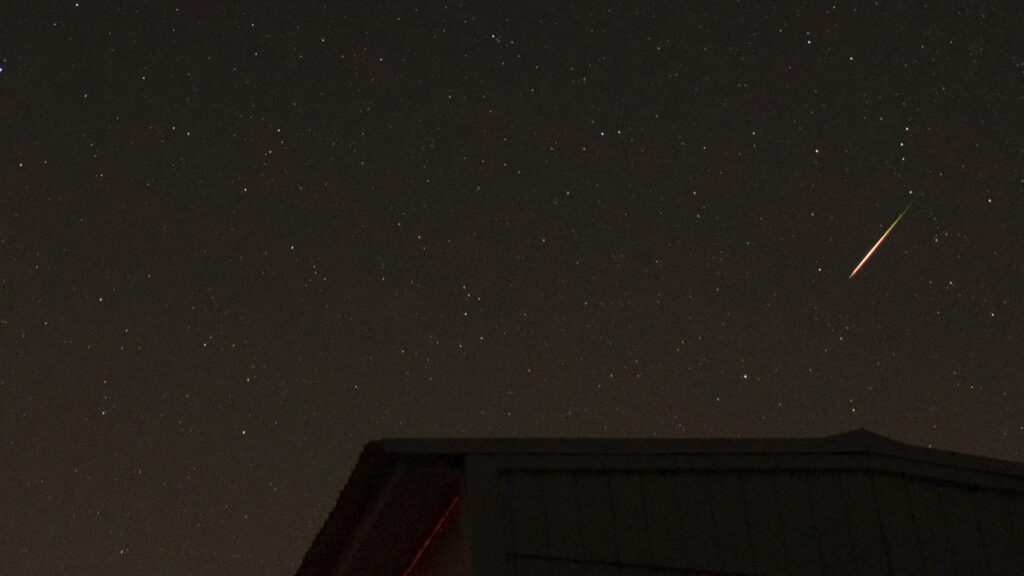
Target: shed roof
[
  {"x": 859, "y": 441},
  {"x": 378, "y": 480}
]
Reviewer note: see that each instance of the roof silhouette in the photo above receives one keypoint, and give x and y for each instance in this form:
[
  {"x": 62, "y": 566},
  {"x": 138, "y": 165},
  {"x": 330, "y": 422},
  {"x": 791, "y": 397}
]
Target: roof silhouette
[{"x": 883, "y": 505}]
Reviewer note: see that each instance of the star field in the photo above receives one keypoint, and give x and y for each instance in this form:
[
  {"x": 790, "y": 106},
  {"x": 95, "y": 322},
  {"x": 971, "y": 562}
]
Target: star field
[{"x": 239, "y": 242}]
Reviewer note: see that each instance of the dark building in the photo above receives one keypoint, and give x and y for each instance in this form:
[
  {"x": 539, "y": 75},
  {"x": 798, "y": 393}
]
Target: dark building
[{"x": 856, "y": 503}]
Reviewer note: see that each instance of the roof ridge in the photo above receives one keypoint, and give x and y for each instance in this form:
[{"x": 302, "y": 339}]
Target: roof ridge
[{"x": 862, "y": 437}]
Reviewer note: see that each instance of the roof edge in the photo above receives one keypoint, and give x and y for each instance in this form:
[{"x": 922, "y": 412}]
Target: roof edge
[{"x": 858, "y": 441}]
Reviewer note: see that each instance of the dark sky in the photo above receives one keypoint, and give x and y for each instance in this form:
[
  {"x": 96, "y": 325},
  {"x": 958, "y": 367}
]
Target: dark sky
[{"x": 237, "y": 243}]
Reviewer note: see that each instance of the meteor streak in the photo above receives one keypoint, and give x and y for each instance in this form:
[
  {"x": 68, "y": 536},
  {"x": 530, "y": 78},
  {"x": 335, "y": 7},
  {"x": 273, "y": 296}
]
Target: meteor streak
[{"x": 879, "y": 243}]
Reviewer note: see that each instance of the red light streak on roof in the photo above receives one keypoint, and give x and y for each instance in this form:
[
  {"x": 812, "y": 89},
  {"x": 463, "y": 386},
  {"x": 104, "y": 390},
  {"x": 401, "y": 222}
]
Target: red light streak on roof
[{"x": 433, "y": 534}]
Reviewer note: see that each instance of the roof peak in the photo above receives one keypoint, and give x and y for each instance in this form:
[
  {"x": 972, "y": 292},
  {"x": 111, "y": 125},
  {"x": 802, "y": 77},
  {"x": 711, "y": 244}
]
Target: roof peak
[{"x": 862, "y": 437}]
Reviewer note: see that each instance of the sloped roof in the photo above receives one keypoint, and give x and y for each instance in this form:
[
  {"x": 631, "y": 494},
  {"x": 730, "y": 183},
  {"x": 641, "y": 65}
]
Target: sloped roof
[
  {"x": 860, "y": 441},
  {"x": 439, "y": 462}
]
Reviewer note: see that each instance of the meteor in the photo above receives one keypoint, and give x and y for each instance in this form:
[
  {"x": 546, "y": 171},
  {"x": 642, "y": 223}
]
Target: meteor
[{"x": 879, "y": 243}]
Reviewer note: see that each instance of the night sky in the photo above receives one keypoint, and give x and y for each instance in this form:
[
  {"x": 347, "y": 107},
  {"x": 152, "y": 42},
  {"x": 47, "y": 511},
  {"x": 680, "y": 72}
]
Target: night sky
[{"x": 238, "y": 243}]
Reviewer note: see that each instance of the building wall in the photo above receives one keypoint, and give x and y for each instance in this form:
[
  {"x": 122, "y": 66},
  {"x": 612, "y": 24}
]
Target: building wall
[{"x": 761, "y": 521}]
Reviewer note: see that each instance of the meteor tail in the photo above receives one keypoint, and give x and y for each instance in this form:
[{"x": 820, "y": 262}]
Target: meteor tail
[{"x": 879, "y": 243}]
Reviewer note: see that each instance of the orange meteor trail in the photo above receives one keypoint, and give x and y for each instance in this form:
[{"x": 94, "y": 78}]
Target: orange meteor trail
[{"x": 879, "y": 243}]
